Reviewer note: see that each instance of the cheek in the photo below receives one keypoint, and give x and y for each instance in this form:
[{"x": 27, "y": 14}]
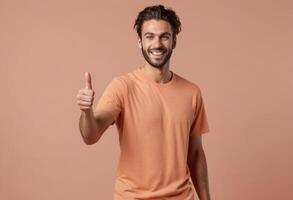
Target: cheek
[
  {"x": 145, "y": 46},
  {"x": 169, "y": 45}
]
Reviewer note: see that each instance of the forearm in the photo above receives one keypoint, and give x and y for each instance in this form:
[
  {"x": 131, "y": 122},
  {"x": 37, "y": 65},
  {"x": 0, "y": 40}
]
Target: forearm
[
  {"x": 88, "y": 126},
  {"x": 199, "y": 176}
]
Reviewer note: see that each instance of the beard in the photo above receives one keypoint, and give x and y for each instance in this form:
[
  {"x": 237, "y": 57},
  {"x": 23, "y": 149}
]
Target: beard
[{"x": 158, "y": 64}]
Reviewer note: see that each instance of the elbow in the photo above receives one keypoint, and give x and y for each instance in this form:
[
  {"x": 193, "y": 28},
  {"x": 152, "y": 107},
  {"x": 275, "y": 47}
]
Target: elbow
[
  {"x": 195, "y": 158},
  {"x": 90, "y": 141}
]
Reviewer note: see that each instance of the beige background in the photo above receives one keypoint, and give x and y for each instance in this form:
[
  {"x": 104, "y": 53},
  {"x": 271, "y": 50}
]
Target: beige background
[{"x": 238, "y": 52}]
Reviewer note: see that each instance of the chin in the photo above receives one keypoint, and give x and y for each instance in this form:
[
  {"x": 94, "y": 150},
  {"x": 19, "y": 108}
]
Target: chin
[{"x": 158, "y": 66}]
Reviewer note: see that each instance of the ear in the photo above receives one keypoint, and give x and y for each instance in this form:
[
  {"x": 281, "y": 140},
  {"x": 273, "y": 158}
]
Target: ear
[{"x": 139, "y": 42}]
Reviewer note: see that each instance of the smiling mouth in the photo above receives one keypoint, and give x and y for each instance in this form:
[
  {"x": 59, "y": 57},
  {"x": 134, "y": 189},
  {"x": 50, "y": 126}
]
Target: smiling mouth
[{"x": 157, "y": 52}]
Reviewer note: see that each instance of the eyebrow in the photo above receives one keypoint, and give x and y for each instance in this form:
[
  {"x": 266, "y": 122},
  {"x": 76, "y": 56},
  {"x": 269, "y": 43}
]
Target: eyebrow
[{"x": 165, "y": 33}]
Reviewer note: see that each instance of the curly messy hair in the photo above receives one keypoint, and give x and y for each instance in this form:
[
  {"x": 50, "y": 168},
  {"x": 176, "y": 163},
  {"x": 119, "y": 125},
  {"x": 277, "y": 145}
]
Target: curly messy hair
[{"x": 158, "y": 12}]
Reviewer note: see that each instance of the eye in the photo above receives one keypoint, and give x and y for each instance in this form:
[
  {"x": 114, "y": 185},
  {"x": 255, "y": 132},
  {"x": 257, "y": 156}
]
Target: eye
[
  {"x": 149, "y": 36},
  {"x": 165, "y": 37}
]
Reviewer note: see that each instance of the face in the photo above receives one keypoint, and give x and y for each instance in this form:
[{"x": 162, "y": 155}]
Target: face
[{"x": 156, "y": 42}]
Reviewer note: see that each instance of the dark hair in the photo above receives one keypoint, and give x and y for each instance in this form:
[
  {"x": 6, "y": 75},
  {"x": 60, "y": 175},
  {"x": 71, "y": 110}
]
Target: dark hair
[{"x": 161, "y": 13}]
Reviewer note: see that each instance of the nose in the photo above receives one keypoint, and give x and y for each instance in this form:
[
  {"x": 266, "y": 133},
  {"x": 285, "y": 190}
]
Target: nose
[{"x": 157, "y": 42}]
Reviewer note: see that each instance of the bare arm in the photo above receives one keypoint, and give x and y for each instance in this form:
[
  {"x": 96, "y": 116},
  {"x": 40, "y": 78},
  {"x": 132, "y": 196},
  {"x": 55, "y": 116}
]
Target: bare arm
[
  {"x": 92, "y": 124},
  {"x": 198, "y": 167},
  {"x": 88, "y": 127}
]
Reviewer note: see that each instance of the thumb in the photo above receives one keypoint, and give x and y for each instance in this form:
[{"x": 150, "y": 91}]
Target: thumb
[{"x": 88, "y": 81}]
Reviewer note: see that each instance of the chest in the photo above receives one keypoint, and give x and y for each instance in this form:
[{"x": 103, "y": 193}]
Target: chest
[{"x": 151, "y": 105}]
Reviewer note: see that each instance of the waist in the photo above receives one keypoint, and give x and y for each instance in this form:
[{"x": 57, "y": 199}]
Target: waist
[{"x": 127, "y": 189}]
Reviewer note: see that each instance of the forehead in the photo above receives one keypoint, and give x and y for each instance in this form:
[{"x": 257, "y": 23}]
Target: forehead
[{"x": 156, "y": 26}]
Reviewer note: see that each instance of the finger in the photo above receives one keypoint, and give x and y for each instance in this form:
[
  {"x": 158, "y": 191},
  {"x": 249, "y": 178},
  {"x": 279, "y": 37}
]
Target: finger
[
  {"x": 86, "y": 92},
  {"x": 88, "y": 80},
  {"x": 84, "y": 98},
  {"x": 84, "y": 108},
  {"x": 83, "y": 103}
]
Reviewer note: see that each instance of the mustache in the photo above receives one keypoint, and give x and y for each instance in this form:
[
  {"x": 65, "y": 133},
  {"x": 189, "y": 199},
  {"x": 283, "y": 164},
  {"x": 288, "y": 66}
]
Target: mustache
[{"x": 158, "y": 49}]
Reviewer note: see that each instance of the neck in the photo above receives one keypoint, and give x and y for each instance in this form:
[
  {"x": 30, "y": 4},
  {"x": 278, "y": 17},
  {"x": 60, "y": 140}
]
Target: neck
[{"x": 159, "y": 75}]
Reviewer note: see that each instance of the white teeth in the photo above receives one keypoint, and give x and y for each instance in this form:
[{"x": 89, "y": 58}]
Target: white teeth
[{"x": 157, "y": 52}]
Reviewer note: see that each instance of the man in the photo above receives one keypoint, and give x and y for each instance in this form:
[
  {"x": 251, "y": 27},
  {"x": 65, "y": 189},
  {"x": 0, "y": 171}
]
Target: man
[{"x": 159, "y": 115}]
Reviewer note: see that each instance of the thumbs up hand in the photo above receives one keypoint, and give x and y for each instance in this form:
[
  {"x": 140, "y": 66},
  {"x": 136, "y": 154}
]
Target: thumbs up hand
[{"x": 85, "y": 96}]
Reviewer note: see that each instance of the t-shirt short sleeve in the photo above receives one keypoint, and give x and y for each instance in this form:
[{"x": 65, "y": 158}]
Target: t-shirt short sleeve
[
  {"x": 111, "y": 100},
  {"x": 200, "y": 123}
]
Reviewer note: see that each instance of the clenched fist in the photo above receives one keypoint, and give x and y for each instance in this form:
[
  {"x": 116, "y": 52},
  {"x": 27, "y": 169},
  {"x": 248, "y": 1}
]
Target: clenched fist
[{"x": 85, "y": 96}]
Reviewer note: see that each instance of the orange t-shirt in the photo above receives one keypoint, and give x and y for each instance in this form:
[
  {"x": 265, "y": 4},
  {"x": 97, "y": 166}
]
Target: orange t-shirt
[{"x": 154, "y": 121}]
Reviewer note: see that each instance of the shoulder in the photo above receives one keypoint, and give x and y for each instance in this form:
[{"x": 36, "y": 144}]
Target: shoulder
[
  {"x": 123, "y": 81},
  {"x": 127, "y": 80},
  {"x": 188, "y": 84}
]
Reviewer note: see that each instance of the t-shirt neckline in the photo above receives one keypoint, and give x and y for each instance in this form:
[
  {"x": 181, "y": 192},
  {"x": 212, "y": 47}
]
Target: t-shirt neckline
[{"x": 138, "y": 71}]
